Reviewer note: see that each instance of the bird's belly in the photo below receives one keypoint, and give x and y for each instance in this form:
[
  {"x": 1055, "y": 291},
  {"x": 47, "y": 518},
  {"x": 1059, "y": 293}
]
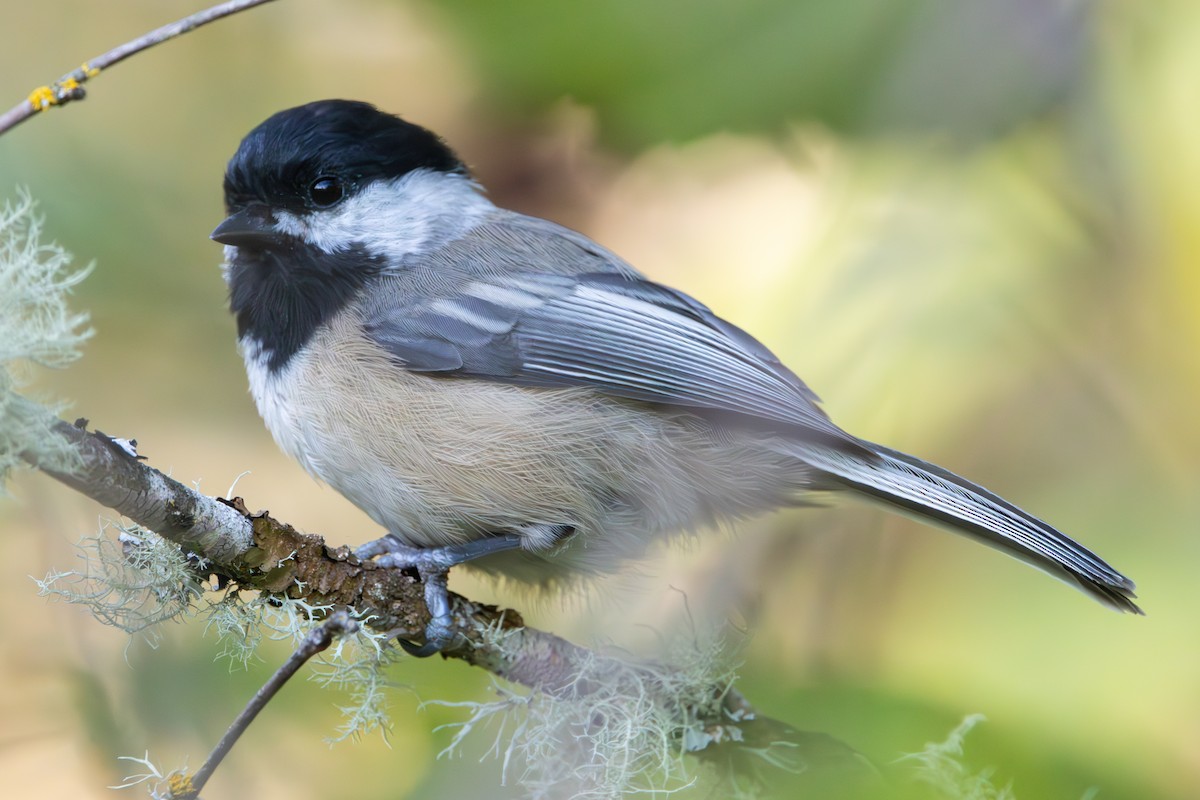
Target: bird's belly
[
  {"x": 440, "y": 460},
  {"x": 424, "y": 457}
]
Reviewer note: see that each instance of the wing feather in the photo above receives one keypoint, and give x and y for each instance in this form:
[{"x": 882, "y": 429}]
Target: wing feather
[{"x": 616, "y": 333}]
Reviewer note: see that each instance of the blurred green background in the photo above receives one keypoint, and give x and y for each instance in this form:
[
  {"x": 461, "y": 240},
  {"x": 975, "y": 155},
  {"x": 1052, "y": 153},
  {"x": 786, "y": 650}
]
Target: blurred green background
[{"x": 971, "y": 225}]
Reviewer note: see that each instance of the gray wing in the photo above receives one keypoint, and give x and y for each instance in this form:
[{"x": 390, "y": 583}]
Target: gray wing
[{"x": 613, "y": 332}]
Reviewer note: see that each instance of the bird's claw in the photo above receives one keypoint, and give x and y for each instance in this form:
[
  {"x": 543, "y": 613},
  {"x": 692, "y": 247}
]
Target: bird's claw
[{"x": 433, "y": 566}]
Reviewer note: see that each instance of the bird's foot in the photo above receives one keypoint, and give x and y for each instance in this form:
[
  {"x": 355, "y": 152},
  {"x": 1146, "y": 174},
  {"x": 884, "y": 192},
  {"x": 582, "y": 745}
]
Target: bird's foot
[{"x": 433, "y": 565}]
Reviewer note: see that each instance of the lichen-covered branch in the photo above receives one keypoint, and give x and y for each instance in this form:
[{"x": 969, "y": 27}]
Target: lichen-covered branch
[
  {"x": 261, "y": 553},
  {"x": 111, "y": 476}
]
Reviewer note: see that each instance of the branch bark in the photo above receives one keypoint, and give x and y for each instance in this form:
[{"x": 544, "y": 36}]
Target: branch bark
[{"x": 265, "y": 554}]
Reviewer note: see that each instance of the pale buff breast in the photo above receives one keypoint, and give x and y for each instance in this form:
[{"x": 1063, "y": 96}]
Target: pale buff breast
[{"x": 437, "y": 460}]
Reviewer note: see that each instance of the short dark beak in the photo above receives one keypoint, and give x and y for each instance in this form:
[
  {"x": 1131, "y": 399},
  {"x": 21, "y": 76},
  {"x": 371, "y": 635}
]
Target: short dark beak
[{"x": 252, "y": 226}]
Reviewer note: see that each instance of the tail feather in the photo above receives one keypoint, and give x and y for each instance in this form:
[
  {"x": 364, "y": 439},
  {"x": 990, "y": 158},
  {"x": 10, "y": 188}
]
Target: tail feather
[{"x": 938, "y": 495}]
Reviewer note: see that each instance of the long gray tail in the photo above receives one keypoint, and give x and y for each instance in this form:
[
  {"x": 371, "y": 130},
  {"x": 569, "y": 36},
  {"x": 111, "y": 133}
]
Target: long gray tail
[{"x": 938, "y": 495}]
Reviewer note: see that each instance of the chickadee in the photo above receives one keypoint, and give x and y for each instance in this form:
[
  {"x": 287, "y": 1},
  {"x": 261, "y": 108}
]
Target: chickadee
[{"x": 496, "y": 389}]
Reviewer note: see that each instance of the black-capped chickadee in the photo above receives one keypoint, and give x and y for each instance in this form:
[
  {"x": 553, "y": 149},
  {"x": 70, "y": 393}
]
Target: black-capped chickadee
[{"x": 496, "y": 389}]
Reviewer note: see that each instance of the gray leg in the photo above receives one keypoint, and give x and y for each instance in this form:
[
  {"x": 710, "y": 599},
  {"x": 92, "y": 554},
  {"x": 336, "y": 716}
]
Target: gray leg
[{"x": 433, "y": 564}]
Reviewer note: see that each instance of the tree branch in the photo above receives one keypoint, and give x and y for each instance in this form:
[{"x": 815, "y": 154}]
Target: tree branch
[
  {"x": 259, "y": 552},
  {"x": 70, "y": 86},
  {"x": 108, "y": 474}
]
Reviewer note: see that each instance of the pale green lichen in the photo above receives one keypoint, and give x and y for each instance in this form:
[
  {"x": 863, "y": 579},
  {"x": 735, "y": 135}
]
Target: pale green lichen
[
  {"x": 356, "y": 663},
  {"x": 627, "y": 731},
  {"x": 133, "y": 581},
  {"x": 237, "y": 623},
  {"x": 137, "y": 579},
  {"x": 940, "y": 766},
  {"x": 36, "y": 327}
]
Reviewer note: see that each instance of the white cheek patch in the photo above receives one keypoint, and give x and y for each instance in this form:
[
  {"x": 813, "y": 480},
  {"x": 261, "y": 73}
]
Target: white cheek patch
[{"x": 394, "y": 219}]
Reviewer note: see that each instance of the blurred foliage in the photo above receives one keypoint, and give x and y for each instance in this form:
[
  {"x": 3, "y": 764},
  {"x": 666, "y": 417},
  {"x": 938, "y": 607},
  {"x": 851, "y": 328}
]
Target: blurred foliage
[
  {"x": 969, "y": 224},
  {"x": 676, "y": 69}
]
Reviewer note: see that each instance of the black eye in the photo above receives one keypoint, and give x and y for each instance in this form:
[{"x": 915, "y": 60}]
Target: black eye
[{"x": 326, "y": 191}]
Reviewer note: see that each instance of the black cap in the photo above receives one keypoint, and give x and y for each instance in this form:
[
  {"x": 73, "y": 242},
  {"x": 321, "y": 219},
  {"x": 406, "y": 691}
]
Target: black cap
[{"x": 355, "y": 142}]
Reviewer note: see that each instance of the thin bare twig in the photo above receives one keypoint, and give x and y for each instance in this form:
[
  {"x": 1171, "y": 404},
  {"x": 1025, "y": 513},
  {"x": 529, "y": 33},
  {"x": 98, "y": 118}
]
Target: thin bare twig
[
  {"x": 70, "y": 86},
  {"x": 318, "y": 640}
]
